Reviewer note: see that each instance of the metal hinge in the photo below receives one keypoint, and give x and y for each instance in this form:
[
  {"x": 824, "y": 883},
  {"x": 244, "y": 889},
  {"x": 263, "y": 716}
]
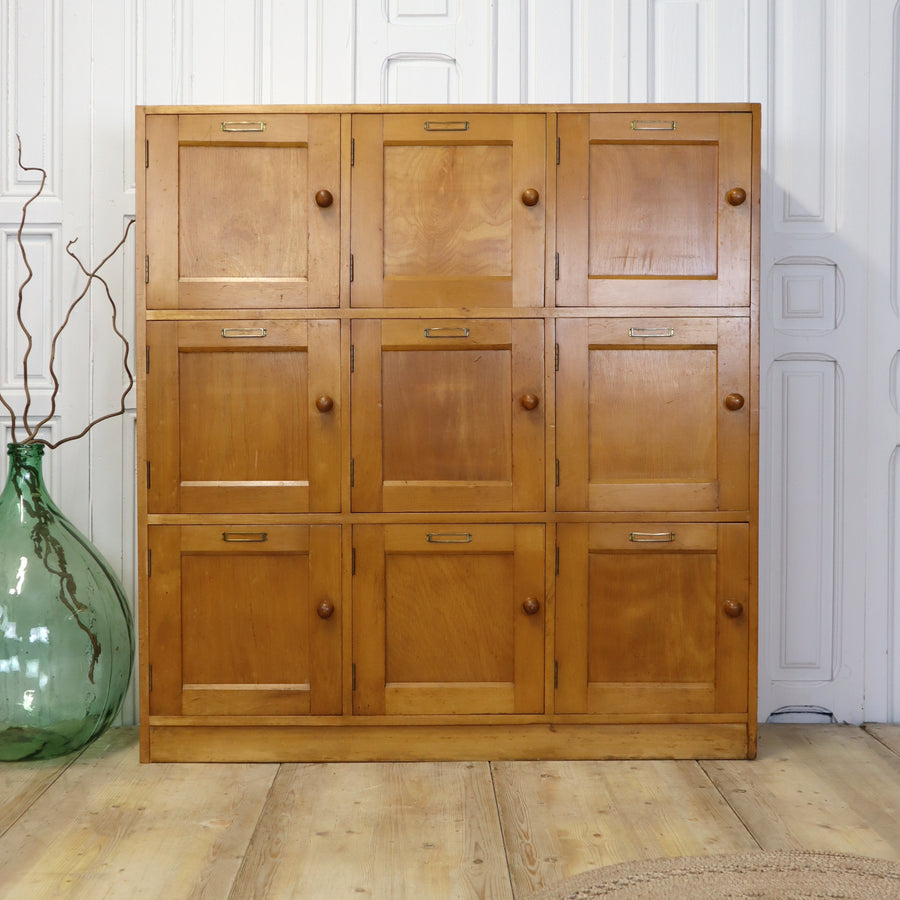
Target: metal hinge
[
  {"x": 557, "y": 473},
  {"x": 351, "y": 267},
  {"x": 352, "y": 676},
  {"x": 556, "y": 357},
  {"x": 556, "y": 268},
  {"x": 557, "y": 151},
  {"x": 146, "y": 270},
  {"x": 555, "y": 673},
  {"x": 352, "y": 151},
  {"x": 352, "y": 474}
]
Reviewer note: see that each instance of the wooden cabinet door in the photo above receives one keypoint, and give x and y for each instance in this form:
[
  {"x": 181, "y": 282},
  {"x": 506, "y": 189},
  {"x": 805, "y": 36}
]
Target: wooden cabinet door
[
  {"x": 654, "y": 209},
  {"x": 448, "y": 619},
  {"x": 652, "y": 618},
  {"x": 243, "y": 416},
  {"x": 245, "y": 620},
  {"x": 653, "y": 414},
  {"x": 243, "y": 214},
  {"x": 448, "y": 210},
  {"x": 447, "y": 415}
]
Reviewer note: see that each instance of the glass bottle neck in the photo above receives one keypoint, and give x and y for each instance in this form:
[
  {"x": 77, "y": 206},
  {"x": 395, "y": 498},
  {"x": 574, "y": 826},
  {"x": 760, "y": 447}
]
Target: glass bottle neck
[{"x": 25, "y": 475}]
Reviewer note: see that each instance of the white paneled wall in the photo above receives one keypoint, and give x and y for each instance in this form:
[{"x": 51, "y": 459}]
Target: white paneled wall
[{"x": 828, "y": 75}]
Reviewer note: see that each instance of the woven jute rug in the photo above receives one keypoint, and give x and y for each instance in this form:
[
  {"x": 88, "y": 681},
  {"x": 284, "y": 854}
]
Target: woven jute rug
[{"x": 781, "y": 875}]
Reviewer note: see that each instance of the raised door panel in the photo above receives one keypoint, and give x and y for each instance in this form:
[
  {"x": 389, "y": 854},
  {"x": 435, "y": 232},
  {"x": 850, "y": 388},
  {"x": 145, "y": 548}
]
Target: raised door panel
[
  {"x": 244, "y": 416},
  {"x": 447, "y": 415},
  {"x": 654, "y": 210},
  {"x": 652, "y": 618},
  {"x": 448, "y": 619},
  {"x": 653, "y": 414},
  {"x": 243, "y": 211},
  {"x": 448, "y": 210},
  {"x": 245, "y": 620}
]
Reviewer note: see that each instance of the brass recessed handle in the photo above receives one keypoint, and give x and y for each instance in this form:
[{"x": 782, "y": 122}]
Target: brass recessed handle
[
  {"x": 736, "y": 196},
  {"x": 734, "y": 402},
  {"x": 324, "y": 403},
  {"x": 324, "y": 198},
  {"x": 530, "y": 401},
  {"x": 733, "y": 608},
  {"x": 245, "y": 537},
  {"x": 325, "y": 609},
  {"x": 651, "y": 537},
  {"x": 531, "y": 606},
  {"x": 243, "y": 332},
  {"x": 243, "y": 126},
  {"x": 530, "y": 197},
  {"x": 448, "y": 537}
]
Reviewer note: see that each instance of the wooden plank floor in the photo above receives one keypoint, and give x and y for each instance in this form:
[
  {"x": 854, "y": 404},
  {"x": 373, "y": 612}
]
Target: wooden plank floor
[{"x": 100, "y": 825}]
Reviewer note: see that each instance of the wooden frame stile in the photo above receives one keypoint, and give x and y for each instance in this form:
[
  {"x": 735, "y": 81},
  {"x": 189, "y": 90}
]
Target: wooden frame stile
[
  {"x": 753, "y": 612},
  {"x": 140, "y": 326}
]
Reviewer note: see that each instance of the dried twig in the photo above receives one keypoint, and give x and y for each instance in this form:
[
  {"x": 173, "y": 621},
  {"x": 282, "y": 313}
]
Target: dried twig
[
  {"x": 28, "y": 278},
  {"x": 92, "y": 275}
]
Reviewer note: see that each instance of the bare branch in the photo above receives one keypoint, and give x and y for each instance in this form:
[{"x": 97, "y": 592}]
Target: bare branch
[
  {"x": 12, "y": 417},
  {"x": 92, "y": 276},
  {"x": 30, "y": 432}
]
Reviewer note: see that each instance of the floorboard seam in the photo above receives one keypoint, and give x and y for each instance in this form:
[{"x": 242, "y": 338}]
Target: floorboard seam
[
  {"x": 512, "y": 888},
  {"x": 245, "y": 864},
  {"x": 737, "y": 815},
  {"x": 875, "y": 737},
  {"x": 41, "y": 793}
]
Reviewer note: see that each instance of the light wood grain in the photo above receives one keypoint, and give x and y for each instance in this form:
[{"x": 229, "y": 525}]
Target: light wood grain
[
  {"x": 407, "y": 832},
  {"x": 828, "y": 787},
  {"x": 416, "y": 333},
  {"x": 114, "y": 828},
  {"x": 22, "y": 785},
  {"x": 109, "y": 827},
  {"x": 561, "y": 818},
  {"x": 889, "y": 735}
]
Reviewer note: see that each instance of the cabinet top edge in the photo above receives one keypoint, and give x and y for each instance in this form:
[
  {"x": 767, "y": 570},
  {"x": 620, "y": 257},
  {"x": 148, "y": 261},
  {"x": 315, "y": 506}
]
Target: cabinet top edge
[{"x": 450, "y": 108}]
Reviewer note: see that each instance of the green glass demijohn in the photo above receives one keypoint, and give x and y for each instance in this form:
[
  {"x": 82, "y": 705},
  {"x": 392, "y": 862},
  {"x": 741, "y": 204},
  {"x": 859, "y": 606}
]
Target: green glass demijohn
[{"x": 66, "y": 636}]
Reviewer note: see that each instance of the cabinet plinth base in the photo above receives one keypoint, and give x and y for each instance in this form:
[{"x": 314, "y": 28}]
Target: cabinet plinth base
[{"x": 451, "y": 742}]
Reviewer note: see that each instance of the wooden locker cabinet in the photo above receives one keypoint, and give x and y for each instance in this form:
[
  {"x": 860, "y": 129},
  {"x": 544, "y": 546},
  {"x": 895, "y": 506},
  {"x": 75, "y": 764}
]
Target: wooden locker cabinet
[
  {"x": 448, "y": 210},
  {"x": 242, "y": 213},
  {"x": 245, "y": 620},
  {"x": 449, "y": 420},
  {"x": 655, "y": 211},
  {"x": 447, "y": 414},
  {"x": 245, "y": 416},
  {"x": 651, "y": 413},
  {"x": 650, "y": 618},
  {"x": 462, "y": 610}
]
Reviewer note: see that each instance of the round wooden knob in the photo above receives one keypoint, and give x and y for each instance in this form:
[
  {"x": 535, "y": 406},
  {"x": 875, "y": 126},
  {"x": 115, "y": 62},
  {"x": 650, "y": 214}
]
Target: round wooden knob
[
  {"x": 531, "y": 605},
  {"x": 733, "y": 608},
  {"x": 530, "y": 401},
  {"x": 736, "y": 196},
  {"x": 324, "y": 198},
  {"x": 324, "y": 403},
  {"x": 530, "y": 197},
  {"x": 325, "y": 609},
  {"x": 734, "y": 402}
]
